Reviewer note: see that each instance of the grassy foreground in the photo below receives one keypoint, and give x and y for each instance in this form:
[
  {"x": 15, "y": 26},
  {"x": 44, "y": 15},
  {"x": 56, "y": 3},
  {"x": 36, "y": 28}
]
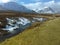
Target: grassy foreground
[{"x": 45, "y": 34}]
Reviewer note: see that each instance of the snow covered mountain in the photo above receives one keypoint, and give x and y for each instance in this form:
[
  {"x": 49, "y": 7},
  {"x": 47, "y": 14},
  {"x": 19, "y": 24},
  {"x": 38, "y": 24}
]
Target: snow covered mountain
[
  {"x": 2, "y": 8},
  {"x": 16, "y": 7},
  {"x": 56, "y": 8},
  {"x": 46, "y": 10}
]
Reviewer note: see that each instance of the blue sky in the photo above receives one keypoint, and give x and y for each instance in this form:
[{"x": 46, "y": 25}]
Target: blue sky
[{"x": 28, "y": 1}]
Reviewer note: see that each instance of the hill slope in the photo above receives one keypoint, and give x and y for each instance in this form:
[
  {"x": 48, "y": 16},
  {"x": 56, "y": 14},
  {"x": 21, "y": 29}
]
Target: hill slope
[{"x": 45, "y": 34}]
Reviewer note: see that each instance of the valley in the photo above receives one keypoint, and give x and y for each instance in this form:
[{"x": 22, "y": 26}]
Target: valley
[
  {"x": 29, "y": 22},
  {"x": 13, "y": 23},
  {"x": 39, "y": 33}
]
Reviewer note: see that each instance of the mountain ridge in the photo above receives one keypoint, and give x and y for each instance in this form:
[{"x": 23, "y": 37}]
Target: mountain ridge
[
  {"x": 16, "y": 7},
  {"x": 46, "y": 10}
]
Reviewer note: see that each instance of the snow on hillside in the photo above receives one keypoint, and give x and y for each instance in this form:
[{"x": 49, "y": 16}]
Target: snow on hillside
[{"x": 46, "y": 10}]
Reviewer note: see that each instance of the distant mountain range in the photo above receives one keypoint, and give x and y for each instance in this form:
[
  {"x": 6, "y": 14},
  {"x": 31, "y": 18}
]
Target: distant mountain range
[
  {"x": 15, "y": 7},
  {"x": 51, "y": 10},
  {"x": 46, "y": 10},
  {"x": 2, "y": 8}
]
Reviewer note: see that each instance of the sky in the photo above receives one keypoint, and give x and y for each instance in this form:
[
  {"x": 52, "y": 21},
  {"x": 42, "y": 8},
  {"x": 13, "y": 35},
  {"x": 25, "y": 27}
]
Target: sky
[
  {"x": 34, "y": 4},
  {"x": 27, "y": 1}
]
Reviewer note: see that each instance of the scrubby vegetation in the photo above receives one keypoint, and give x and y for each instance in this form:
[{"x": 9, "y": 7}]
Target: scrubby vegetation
[{"x": 45, "y": 34}]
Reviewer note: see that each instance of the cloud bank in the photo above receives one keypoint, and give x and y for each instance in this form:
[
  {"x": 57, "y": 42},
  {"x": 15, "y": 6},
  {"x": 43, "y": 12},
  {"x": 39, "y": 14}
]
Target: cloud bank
[{"x": 40, "y": 5}]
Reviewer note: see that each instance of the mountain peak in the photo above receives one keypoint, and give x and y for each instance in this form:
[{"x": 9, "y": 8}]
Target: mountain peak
[
  {"x": 46, "y": 10},
  {"x": 11, "y": 3},
  {"x": 17, "y": 7}
]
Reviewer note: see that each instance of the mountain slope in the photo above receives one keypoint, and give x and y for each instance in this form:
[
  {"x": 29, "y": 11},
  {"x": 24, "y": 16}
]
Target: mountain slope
[
  {"x": 2, "y": 8},
  {"x": 46, "y": 10},
  {"x": 50, "y": 9},
  {"x": 45, "y": 34},
  {"x": 56, "y": 8},
  {"x": 16, "y": 7}
]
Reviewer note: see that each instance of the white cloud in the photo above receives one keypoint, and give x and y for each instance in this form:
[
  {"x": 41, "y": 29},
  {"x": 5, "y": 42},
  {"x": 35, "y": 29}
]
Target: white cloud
[
  {"x": 49, "y": 3},
  {"x": 34, "y": 6},
  {"x": 36, "y": 0},
  {"x": 40, "y": 5},
  {"x": 4, "y": 1}
]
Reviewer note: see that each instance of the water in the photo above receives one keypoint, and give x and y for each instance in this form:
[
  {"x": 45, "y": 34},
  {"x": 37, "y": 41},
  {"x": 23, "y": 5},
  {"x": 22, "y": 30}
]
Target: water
[{"x": 18, "y": 25}]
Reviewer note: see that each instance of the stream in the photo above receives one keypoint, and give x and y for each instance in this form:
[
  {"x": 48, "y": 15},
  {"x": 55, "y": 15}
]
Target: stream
[{"x": 17, "y": 25}]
